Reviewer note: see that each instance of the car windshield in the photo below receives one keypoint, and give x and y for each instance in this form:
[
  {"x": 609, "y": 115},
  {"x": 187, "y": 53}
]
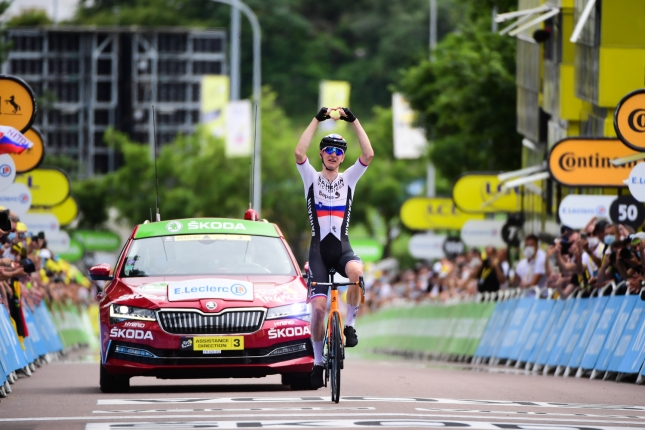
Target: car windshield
[{"x": 185, "y": 255}]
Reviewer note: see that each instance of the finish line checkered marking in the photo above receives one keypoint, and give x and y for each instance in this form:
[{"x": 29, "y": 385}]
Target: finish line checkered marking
[
  {"x": 229, "y": 400},
  {"x": 540, "y": 414},
  {"x": 304, "y": 409},
  {"x": 206, "y": 425}
]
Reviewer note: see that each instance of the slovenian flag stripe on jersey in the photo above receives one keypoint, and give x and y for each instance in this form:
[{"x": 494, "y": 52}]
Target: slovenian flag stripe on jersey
[{"x": 338, "y": 211}]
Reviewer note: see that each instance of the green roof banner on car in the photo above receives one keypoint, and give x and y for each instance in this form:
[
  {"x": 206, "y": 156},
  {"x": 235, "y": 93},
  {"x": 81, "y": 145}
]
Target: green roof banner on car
[{"x": 206, "y": 225}]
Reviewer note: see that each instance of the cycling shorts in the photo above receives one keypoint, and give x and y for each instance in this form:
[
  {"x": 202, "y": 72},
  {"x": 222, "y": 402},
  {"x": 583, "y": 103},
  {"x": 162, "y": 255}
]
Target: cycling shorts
[{"x": 330, "y": 252}]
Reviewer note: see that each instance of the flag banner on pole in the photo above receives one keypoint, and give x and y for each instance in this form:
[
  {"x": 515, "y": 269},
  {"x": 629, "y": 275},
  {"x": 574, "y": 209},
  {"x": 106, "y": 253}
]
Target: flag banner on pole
[
  {"x": 214, "y": 97},
  {"x": 239, "y": 127},
  {"x": 334, "y": 94},
  {"x": 12, "y": 141},
  {"x": 409, "y": 141}
]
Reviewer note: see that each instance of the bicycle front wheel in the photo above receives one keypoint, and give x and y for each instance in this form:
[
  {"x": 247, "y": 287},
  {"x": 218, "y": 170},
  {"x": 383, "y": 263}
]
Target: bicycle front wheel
[{"x": 336, "y": 353}]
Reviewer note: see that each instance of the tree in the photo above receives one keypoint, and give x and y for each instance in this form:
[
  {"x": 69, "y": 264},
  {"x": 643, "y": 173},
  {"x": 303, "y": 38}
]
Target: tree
[
  {"x": 466, "y": 98},
  {"x": 30, "y": 18}
]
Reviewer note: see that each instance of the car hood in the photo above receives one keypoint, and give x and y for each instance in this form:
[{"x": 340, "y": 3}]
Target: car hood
[{"x": 198, "y": 291}]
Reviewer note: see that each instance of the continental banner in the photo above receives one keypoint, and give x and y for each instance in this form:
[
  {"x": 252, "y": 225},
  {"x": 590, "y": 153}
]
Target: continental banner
[
  {"x": 444, "y": 329},
  {"x": 586, "y": 162},
  {"x": 477, "y": 192}
]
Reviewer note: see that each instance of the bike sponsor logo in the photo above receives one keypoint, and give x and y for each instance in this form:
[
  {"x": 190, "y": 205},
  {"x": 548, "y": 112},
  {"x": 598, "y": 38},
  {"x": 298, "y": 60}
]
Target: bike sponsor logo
[
  {"x": 277, "y": 333},
  {"x": 327, "y": 196},
  {"x": 215, "y": 225},
  {"x": 174, "y": 226},
  {"x": 122, "y": 333}
]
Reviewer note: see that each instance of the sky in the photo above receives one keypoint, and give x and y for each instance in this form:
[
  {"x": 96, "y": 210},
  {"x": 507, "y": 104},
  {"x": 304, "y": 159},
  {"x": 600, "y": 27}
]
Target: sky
[{"x": 66, "y": 8}]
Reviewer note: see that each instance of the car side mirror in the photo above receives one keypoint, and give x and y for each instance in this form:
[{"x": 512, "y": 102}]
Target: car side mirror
[{"x": 101, "y": 272}]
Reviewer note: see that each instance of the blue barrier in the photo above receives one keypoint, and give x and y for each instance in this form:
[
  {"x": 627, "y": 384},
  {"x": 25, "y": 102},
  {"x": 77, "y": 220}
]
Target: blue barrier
[
  {"x": 543, "y": 309},
  {"x": 580, "y": 319}
]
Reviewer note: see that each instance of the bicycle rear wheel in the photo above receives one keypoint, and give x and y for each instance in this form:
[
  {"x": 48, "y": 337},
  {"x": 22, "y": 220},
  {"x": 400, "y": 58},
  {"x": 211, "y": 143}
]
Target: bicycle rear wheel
[{"x": 336, "y": 356}]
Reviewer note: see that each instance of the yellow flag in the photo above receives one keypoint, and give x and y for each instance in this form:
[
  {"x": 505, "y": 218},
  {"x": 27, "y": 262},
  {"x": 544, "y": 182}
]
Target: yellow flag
[
  {"x": 214, "y": 98},
  {"x": 334, "y": 94}
]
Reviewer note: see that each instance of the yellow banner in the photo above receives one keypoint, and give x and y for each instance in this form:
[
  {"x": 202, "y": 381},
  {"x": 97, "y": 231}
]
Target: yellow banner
[
  {"x": 32, "y": 157},
  {"x": 214, "y": 98},
  {"x": 334, "y": 94},
  {"x": 481, "y": 193},
  {"x": 17, "y": 103},
  {"x": 66, "y": 212},
  {"x": 434, "y": 213},
  {"x": 49, "y": 186}
]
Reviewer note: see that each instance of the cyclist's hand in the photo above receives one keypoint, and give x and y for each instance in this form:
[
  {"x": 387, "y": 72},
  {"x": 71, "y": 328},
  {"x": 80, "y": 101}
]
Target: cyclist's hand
[
  {"x": 347, "y": 115},
  {"x": 323, "y": 114}
]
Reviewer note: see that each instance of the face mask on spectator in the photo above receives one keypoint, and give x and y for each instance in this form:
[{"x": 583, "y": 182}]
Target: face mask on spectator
[
  {"x": 529, "y": 252},
  {"x": 12, "y": 236},
  {"x": 609, "y": 239},
  {"x": 593, "y": 242}
]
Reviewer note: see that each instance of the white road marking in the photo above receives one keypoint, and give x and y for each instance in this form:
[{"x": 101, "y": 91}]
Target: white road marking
[
  {"x": 206, "y": 425},
  {"x": 549, "y": 414},
  {"x": 313, "y": 408},
  {"x": 224, "y": 400},
  {"x": 368, "y": 416}
]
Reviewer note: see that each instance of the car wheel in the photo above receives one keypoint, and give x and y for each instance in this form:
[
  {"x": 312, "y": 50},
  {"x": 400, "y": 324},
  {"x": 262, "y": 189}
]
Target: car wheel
[
  {"x": 113, "y": 383},
  {"x": 301, "y": 381}
]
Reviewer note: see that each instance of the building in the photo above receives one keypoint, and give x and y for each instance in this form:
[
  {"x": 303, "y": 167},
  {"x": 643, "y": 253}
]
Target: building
[{"x": 88, "y": 79}]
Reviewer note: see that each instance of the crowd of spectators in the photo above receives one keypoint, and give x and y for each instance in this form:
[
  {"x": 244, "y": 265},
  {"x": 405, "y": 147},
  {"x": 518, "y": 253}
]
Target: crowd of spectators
[
  {"x": 578, "y": 260},
  {"x": 30, "y": 273}
]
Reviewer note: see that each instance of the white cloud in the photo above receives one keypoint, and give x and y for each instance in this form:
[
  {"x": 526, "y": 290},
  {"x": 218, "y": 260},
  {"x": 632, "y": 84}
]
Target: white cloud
[{"x": 66, "y": 8}]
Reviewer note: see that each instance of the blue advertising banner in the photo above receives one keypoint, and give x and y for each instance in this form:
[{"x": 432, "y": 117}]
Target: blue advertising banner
[
  {"x": 546, "y": 337},
  {"x": 598, "y": 306},
  {"x": 505, "y": 317},
  {"x": 633, "y": 324},
  {"x": 583, "y": 314},
  {"x": 635, "y": 354},
  {"x": 527, "y": 327},
  {"x": 565, "y": 332},
  {"x": 15, "y": 354},
  {"x": 491, "y": 326},
  {"x": 556, "y": 329},
  {"x": 517, "y": 321},
  {"x": 602, "y": 331},
  {"x": 624, "y": 311},
  {"x": 544, "y": 309}
]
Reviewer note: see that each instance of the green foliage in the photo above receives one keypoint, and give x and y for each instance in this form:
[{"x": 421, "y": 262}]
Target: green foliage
[
  {"x": 467, "y": 101},
  {"x": 93, "y": 202},
  {"x": 366, "y": 42},
  {"x": 30, "y": 18},
  {"x": 64, "y": 162}
]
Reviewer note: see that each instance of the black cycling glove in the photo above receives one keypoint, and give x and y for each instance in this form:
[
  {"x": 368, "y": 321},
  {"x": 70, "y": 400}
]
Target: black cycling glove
[
  {"x": 350, "y": 116},
  {"x": 322, "y": 114}
]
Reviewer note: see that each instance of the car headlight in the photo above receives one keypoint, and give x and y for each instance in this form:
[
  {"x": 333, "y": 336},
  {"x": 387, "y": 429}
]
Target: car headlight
[
  {"x": 298, "y": 310},
  {"x": 124, "y": 312}
]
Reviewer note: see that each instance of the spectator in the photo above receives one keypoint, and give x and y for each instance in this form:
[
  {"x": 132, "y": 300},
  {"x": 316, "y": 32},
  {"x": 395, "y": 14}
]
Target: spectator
[
  {"x": 531, "y": 271},
  {"x": 490, "y": 275}
]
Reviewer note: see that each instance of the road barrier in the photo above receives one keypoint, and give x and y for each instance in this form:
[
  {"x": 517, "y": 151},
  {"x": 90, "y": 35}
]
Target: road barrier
[
  {"x": 602, "y": 335},
  {"x": 49, "y": 333}
]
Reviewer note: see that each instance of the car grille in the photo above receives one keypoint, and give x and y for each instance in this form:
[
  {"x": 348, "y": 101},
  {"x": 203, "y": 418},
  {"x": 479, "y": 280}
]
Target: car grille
[{"x": 194, "y": 322}]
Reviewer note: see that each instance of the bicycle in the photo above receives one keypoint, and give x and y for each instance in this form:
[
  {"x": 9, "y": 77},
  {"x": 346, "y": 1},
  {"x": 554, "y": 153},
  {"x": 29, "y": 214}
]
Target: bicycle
[{"x": 334, "y": 338}]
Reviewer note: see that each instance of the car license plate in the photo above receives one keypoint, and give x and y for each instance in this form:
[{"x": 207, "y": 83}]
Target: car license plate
[{"x": 218, "y": 343}]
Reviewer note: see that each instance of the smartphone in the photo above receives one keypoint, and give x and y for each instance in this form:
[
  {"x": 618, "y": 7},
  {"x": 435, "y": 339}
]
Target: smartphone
[{"x": 5, "y": 222}]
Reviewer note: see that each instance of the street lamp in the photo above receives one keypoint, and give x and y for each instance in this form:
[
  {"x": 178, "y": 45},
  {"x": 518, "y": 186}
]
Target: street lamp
[{"x": 257, "y": 96}]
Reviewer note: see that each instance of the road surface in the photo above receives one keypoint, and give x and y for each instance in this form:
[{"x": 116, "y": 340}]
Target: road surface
[{"x": 376, "y": 392}]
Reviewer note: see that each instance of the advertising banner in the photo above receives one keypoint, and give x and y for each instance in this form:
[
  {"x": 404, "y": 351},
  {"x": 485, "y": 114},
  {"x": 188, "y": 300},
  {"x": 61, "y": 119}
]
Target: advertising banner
[
  {"x": 66, "y": 212},
  {"x": 426, "y": 246},
  {"x": 239, "y": 129},
  {"x": 46, "y": 223},
  {"x": 97, "y": 240},
  {"x": 483, "y": 233},
  {"x": 629, "y": 120},
  {"x": 409, "y": 141},
  {"x": 577, "y": 210},
  {"x": 369, "y": 250},
  {"x": 31, "y": 157},
  {"x": 214, "y": 97},
  {"x": 58, "y": 242},
  {"x": 17, "y": 103},
  {"x": 586, "y": 162},
  {"x": 476, "y": 193},
  {"x": 334, "y": 94},
  {"x": 49, "y": 186},
  {"x": 16, "y": 197},
  {"x": 7, "y": 171},
  {"x": 429, "y": 213}
]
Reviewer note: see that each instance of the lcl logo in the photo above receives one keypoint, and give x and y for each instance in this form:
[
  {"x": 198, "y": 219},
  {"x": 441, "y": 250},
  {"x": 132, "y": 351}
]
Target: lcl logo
[{"x": 636, "y": 120}]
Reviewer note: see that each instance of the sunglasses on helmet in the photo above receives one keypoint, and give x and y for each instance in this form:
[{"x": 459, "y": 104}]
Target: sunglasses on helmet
[{"x": 332, "y": 150}]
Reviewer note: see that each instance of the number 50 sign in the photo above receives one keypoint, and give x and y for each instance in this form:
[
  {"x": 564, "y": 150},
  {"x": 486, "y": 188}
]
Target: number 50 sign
[{"x": 628, "y": 211}]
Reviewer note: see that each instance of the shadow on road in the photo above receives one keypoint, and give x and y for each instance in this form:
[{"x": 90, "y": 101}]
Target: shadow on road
[{"x": 223, "y": 388}]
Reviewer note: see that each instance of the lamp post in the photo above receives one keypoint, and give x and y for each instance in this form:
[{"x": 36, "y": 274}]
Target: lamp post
[{"x": 257, "y": 95}]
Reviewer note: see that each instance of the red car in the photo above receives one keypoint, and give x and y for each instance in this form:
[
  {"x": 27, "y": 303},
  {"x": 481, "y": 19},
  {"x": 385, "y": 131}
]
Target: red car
[{"x": 204, "y": 298}]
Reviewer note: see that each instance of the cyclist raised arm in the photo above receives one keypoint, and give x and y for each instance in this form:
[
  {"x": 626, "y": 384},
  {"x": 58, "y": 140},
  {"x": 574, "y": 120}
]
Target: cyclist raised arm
[{"x": 329, "y": 196}]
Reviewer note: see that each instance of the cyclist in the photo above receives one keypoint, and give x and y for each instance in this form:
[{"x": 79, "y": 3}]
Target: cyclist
[{"x": 329, "y": 197}]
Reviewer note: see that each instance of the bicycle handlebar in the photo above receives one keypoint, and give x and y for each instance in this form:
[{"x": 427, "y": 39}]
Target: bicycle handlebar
[{"x": 337, "y": 284}]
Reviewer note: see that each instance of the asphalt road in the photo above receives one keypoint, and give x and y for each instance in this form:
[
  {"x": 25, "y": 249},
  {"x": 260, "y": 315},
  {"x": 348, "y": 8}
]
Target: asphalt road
[{"x": 377, "y": 392}]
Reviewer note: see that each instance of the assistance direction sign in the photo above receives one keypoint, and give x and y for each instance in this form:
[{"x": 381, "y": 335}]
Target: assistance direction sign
[
  {"x": 477, "y": 192},
  {"x": 17, "y": 103},
  {"x": 49, "y": 186},
  {"x": 430, "y": 213}
]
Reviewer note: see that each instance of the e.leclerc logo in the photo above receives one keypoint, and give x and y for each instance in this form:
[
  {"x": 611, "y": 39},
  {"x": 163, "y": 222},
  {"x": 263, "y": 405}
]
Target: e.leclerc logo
[
  {"x": 174, "y": 226},
  {"x": 23, "y": 198},
  {"x": 5, "y": 170},
  {"x": 601, "y": 210},
  {"x": 238, "y": 289}
]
